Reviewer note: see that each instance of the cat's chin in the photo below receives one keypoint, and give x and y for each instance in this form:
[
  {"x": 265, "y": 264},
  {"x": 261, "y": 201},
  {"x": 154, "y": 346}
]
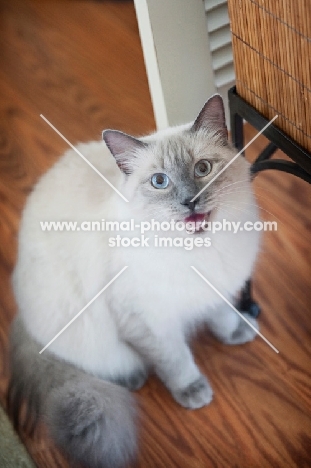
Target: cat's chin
[{"x": 199, "y": 219}]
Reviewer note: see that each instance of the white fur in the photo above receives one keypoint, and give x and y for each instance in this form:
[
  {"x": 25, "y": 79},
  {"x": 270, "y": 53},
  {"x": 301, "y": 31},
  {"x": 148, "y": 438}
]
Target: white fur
[{"x": 58, "y": 273}]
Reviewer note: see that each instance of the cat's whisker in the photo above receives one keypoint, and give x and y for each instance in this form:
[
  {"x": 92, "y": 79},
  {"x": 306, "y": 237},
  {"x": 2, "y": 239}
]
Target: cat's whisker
[
  {"x": 233, "y": 183},
  {"x": 248, "y": 211},
  {"x": 261, "y": 207},
  {"x": 259, "y": 186},
  {"x": 234, "y": 207},
  {"x": 256, "y": 204},
  {"x": 244, "y": 191},
  {"x": 237, "y": 190},
  {"x": 288, "y": 223}
]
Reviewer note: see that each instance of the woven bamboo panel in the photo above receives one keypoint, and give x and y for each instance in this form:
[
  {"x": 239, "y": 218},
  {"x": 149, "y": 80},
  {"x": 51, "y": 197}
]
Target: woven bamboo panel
[{"x": 272, "y": 55}]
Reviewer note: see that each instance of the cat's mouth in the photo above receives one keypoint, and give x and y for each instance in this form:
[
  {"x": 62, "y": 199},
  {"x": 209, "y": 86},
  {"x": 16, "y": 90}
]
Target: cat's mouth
[{"x": 198, "y": 220}]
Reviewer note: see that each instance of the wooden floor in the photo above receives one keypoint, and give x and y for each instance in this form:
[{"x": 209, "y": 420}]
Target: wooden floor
[{"x": 80, "y": 64}]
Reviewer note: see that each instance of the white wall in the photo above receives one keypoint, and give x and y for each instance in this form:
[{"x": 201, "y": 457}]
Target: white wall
[{"x": 177, "y": 55}]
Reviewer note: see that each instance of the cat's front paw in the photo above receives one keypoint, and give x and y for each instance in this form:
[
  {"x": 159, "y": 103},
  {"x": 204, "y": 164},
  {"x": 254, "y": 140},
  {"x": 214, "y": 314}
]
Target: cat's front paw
[
  {"x": 197, "y": 394},
  {"x": 243, "y": 333},
  {"x": 134, "y": 381}
]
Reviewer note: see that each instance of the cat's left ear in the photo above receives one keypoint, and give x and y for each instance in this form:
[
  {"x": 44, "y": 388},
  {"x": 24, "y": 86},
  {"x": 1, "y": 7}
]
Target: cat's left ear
[
  {"x": 212, "y": 118},
  {"x": 123, "y": 147}
]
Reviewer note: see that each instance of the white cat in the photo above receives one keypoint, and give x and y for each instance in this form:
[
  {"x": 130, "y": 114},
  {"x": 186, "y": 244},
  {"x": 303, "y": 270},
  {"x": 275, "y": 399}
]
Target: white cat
[{"x": 141, "y": 322}]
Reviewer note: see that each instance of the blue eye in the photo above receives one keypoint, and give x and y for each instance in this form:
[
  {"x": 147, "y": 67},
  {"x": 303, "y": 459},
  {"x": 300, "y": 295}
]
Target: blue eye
[{"x": 160, "y": 181}]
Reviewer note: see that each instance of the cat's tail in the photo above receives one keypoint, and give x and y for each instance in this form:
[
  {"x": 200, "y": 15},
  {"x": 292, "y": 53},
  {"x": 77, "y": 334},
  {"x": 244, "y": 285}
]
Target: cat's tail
[{"x": 92, "y": 420}]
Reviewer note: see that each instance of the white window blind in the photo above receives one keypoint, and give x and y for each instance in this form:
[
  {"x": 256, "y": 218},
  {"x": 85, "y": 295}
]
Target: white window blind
[{"x": 219, "y": 36}]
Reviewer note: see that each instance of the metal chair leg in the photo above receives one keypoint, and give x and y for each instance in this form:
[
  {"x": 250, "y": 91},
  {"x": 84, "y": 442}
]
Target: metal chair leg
[{"x": 246, "y": 304}]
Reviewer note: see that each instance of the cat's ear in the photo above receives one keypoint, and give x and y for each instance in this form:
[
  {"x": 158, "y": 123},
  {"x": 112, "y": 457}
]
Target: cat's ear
[
  {"x": 212, "y": 117},
  {"x": 123, "y": 147}
]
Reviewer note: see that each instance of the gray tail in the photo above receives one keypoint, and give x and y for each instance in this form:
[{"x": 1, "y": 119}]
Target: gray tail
[{"x": 91, "y": 420}]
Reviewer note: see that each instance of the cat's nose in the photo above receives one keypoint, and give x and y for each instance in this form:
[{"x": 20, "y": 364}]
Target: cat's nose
[{"x": 191, "y": 204}]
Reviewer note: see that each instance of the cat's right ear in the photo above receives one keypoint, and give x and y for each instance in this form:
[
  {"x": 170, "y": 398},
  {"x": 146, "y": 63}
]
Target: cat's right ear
[
  {"x": 122, "y": 147},
  {"x": 212, "y": 117}
]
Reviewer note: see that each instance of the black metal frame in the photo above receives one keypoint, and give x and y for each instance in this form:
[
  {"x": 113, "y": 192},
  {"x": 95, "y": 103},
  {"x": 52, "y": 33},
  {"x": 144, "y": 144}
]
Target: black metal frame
[
  {"x": 301, "y": 167},
  {"x": 239, "y": 110}
]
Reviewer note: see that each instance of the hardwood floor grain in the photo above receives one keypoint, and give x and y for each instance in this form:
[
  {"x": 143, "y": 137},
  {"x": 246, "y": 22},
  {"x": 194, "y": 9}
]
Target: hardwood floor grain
[{"x": 80, "y": 64}]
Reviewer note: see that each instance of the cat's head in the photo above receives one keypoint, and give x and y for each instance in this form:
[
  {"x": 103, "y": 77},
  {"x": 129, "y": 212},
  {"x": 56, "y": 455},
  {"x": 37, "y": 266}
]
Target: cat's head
[{"x": 165, "y": 171}]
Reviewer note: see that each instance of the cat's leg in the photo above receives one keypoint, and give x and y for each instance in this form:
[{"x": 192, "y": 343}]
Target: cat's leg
[
  {"x": 176, "y": 368},
  {"x": 136, "y": 370},
  {"x": 230, "y": 328},
  {"x": 135, "y": 379},
  {"x": 170, "y": 356}
]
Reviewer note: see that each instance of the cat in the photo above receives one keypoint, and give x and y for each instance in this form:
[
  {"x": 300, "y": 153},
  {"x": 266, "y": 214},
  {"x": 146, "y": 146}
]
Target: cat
[{"x": 142, "y": 322}]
